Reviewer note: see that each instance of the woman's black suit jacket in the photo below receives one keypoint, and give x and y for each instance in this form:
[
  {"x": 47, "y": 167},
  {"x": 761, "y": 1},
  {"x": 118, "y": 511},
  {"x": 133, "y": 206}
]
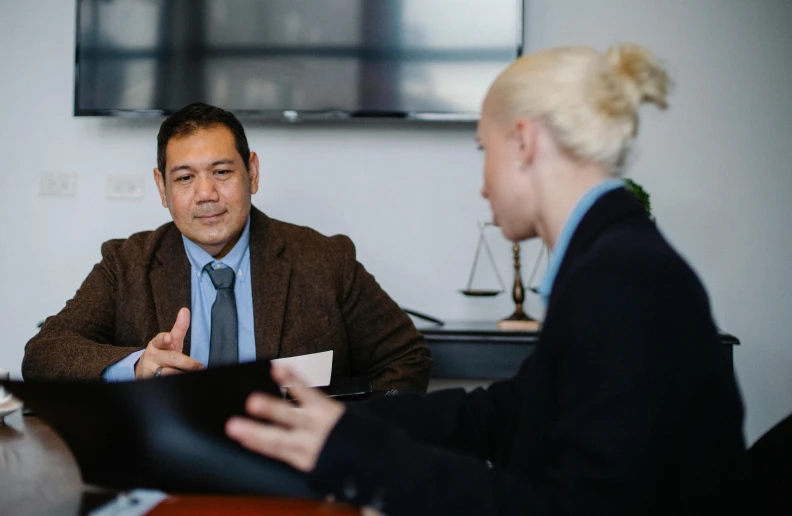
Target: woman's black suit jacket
[{"x": 624, "y": 407}]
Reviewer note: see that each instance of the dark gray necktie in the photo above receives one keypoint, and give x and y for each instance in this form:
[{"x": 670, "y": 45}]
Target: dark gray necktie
[{"x": 223, "y": 346}]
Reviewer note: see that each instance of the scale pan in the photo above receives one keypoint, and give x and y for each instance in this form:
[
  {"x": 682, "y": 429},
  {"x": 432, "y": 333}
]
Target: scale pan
[{"x": 481, "y": 293}]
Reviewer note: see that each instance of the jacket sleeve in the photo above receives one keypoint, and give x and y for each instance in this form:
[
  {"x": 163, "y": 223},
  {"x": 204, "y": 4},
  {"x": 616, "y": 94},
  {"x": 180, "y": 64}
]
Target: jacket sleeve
[
  {"x": 426, "y": 454},
  {"x": 383, "y": 340},
  {"x": 78, "y": 342},
  {"x": 368, "y": 462},
  {"x": 473, "y": 423}
]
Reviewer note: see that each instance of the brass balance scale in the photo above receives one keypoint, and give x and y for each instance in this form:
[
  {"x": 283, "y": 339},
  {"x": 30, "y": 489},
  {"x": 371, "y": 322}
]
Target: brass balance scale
[{"x": 519, "y": 320}]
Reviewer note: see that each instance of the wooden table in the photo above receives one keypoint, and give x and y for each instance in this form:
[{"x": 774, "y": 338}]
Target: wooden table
[
  {"x": 38, "y": 476},
  {"x": 37, "y": 472}
]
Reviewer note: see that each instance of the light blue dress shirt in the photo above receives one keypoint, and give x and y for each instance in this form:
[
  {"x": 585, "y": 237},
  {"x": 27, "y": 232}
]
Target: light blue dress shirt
[
  {"x": 567, "y": 232},
  {"x": 202, "y": 298}
]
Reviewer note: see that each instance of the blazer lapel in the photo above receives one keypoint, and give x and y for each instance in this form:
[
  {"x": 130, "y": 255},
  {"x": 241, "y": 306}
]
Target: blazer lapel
[
  {"x": 270, "y": 274},
  {"x": 170, "y": 282}
]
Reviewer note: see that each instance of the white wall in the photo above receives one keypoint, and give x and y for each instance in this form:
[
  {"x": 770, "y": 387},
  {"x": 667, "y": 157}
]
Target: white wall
[{"x": 717, "y": 165}]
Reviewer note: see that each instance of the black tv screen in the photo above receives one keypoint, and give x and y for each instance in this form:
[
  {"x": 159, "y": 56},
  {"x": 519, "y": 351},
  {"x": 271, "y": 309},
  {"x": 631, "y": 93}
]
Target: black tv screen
[{"x": 294, "y": 59}]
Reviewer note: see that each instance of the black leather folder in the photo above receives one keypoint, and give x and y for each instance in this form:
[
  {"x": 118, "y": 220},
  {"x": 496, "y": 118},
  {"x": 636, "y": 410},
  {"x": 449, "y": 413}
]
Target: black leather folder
[{"x": 164, "y": 433}]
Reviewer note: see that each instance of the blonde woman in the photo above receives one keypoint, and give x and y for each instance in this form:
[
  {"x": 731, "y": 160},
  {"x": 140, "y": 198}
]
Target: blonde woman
[{"x": 624, "y": 408}]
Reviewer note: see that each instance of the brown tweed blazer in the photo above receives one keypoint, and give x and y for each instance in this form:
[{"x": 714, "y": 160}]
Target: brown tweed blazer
[{"x": 309, "y": 295}]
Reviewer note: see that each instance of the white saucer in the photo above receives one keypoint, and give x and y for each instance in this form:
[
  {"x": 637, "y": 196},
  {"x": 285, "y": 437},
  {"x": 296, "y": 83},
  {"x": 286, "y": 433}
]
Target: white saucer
[{"x": 9, "y": 406}]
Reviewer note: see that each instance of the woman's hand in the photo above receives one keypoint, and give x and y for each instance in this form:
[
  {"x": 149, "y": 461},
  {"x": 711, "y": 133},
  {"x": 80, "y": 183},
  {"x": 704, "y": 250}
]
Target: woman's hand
[{"x": 292, "y": 434}]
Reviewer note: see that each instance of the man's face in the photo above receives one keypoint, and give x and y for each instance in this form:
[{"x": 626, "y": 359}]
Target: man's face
[{"x": 207, "y": 189}]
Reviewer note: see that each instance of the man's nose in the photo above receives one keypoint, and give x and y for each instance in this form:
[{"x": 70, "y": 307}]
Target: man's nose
[
  {"x": 206, "y": 190},
  {"x": 484, "y": 191}
]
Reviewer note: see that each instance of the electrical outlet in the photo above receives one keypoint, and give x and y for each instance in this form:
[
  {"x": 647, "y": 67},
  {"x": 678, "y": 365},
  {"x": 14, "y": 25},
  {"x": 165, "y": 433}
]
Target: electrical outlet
[
  {"x": 58, "y": 184},
  {"x": 125, "y": 186}
]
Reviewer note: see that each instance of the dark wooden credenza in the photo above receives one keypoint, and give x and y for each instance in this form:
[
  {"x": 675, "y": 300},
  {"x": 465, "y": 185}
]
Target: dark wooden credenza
[{"x": 479, "y": 350}]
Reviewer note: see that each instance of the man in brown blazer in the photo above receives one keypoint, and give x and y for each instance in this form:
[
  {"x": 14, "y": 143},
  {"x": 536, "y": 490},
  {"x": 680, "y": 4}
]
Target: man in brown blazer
[{"x": 153, "y": 306}]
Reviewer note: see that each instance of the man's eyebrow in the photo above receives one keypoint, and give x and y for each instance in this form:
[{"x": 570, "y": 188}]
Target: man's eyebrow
[
  {"x": 224, "y": 161},
  {"x": 179, "y": 168}
]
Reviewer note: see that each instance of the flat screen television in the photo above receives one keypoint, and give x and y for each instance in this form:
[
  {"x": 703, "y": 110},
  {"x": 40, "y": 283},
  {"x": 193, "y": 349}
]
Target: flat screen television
[{"x": 293, "y": 60}]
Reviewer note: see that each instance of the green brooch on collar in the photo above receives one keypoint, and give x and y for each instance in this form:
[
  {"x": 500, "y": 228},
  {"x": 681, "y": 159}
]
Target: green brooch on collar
[{"x": 640, "y": 194}]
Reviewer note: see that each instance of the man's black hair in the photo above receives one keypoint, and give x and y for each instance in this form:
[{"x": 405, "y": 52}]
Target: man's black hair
[{"x": 193, "y": 118}]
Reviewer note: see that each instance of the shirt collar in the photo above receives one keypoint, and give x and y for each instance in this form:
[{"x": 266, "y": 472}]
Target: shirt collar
[
  {"x": 567, "y": 232},
  {"x": 234, "y": 259}
]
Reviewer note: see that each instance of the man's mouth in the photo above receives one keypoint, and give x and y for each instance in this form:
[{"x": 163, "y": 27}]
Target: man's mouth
[{"x": 209, "y": 216}]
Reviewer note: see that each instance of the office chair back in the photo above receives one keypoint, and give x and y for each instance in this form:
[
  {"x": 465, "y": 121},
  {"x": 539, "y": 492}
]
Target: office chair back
[{"x": 768, "y": 471}]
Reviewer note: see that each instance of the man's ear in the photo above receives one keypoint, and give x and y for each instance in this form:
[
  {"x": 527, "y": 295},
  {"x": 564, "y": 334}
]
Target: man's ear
[
  {"x": 161, "y": 187},
  {"x": 253, "y": 172},
  {"x": 525, "y": 132}
]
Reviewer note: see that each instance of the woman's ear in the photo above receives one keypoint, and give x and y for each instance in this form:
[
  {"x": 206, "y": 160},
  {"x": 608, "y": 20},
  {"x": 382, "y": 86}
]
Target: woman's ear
[{"x": 525, "y": 132}]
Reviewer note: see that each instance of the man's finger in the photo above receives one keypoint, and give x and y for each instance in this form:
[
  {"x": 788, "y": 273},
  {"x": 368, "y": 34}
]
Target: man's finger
[
  {"x": 179, "y": 330},
  {"x": 276, "y": 410},
  {"x": 168, "y": 371},
  {"x": 178, "y": 360}
]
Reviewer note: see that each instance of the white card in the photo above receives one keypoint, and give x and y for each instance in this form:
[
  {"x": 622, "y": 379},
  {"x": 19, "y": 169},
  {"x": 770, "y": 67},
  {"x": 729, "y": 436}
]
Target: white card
[
  {"x": 314, "y": 369},
  {"x": 131, "y": 503}
]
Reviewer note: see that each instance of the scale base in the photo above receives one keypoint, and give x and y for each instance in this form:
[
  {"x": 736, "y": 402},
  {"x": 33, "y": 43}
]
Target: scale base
[
  {"x": 509, "y": 325},
  {"x": 518, "y": 321}
]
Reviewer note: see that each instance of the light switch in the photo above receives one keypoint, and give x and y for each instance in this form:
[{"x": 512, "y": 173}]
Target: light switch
[
  {"x": 125, "y": 186},
  {"x": 58, "y": 184}
]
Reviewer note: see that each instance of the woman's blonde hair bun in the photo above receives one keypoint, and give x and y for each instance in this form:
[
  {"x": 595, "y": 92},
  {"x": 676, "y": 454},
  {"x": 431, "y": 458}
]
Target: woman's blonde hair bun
[{"x": 645, "y": 77}]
